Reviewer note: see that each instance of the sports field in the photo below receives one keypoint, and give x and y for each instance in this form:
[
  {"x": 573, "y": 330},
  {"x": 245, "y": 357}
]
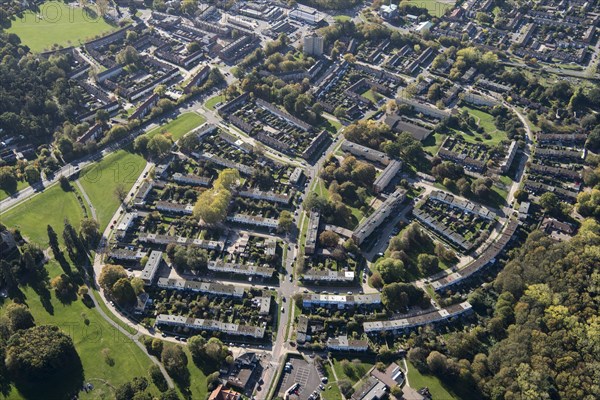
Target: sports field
[
  {"x": 58, "y": 23},
  {"x": 180, "y": 125}
]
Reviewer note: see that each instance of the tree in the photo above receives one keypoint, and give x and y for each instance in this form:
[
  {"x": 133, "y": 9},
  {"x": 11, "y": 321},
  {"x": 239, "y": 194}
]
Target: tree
[
  {"x": 120, "y": 192},
  {"x": 391, "y": 270},
  {"x": 588, "y": 203},
  {"x": 157, "y": 378},
  {"x": 8, "y": 179},
  {"x": 32, "y": 174},
  {"x": 549, "y": 202},
  {"x": 140, "y": 144},
  {"x": 65, "y": 184},
  {"x": 329, "y": 239},
  {"x": 103, "y": 6},
  {"x": 216, "y": 350},
  {"x": 345, "y": 387},
  {"x": 437, "y": 363},
  {"x": 39, "y": 352},
  {"x": 427, "y": 264},
  {"x": 521, "y": 195},
  {"x": 175, "y": 361},
  {"x": 18, "y": 317},
  {"x": 196, "y": 345},
  {"x": 89, "y": 231},
  {"x": 286, "y": 221},
  {"x": 123, "y": 292},
  {"x": 129, "y": 55},
  {"x": 189, "y": 142},
  {"x": 158, "y": 146},
  {"x": 110, "y": 275}
]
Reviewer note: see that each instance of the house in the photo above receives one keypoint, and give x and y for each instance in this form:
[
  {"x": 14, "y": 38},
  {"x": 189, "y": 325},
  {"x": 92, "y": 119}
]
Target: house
[
  {"x": 416, "y": 320},
  {"x": 399, "y": 124},
  {"x": 340, "y": 301},
  {"x": 151, "y": 268},
  {"x": 210, "y": 325},
  {"x": 174, "y": 208},
  {"x": 296, "y": 176},
  {"x": 140, "y": 197},
  {"x": 365, "y": 152},
  {"x": 126, "y": 223},
  {"x": 510, "y": 156},
  {"x": 388, "y": 11},
  {"x": 197, "y": 79},
  {"x": 220, "y": 393},
  {"x": 372, "y": 222},
  {"x": 392, "y": 376},
  {"x": 145, "y": 107},
  {"x": 155, "y": 238},
  {"x": 312, "y": 233},
  {"x": 244, "y": 373},
  {"x": 386, "y": 176},
  {"x": 371, "y": 389},
  {"x": 342, "y": 343},
  {"x": 328, "y": 276},
  {"x": 524, "y": 210},
  {"x": 242, "y": 269},
  {"x": 212, "y": 288},
  {"x": 248, "y": 219},
  {"x": 557, "y": 229},
  {"x": 91, "y": 134}
]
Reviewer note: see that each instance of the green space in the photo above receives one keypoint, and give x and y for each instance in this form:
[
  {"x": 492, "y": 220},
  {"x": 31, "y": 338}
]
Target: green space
[
  {"x": 108, "y": 357},
  {"x": 433, "y": 143},
  {"x": 332, "y": 390},
  {"x": 486, "y": 121},
  {"x": 198, "y": 388},
  {"x": 180, "y": 125},
  {"x": 352, "y": 370},
  {"x": 330, "y": 125},
  {"x": 342, "y": 18},
  {"x": 59, "y": 23},
  {"x": 101, "y": 179},
  {"x": 212, "y": 102},
  {"x": 437, "y": 389},
  {"x": 20, "y": 186},
  {"x": 369, "y": 94},
  {"x": 436, "y": 8},
  {"x": 112, "y": 316},
  {"x": 51, "y": 207}
]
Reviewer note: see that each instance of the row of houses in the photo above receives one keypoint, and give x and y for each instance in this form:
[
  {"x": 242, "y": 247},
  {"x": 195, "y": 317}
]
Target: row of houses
[
  {"x": 454, "y": 237},
  {"x": 210, "y": 325},
  {"x": 213, "y": 288},
  {"x": 462, "y": 204},
  {"x": 414, "y": 321},
  {"x": 241, "y": 269},
  {"x": 310, "y": 300},
  {"x": 383, "y": 213},
  {"x": 328, "y": 276},
  {"x": 254, "y": 220},
  {"x": 155, "y": 238}
]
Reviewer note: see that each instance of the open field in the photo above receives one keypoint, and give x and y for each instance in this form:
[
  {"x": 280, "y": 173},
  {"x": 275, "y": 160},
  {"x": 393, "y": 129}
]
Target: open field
[
  {"x": 90, "y": 340},
  {"x": 180, "y": 125},
  {"x": 437, "y": 388},
  {"x": 212, "y": 102},
  {"x": 101, "y": 179},
  {"x": 436, "y": 8},
  {"x": 332, "y": 390},
  {"x": 60, "y": 24},
  {"x": 486, "y": 121},
  {"x": 48, "y": 208},
  {"x": 355, "y": 372}
]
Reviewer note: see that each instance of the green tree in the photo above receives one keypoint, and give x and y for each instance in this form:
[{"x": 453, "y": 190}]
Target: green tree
[
  {"x": 110, "y": 275},
  {"x": 123, "y": 292},
  {"x": 158, "y": 146}
]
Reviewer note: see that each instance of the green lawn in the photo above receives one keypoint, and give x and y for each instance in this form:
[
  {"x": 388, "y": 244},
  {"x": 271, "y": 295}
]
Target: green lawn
[
  {"x": 20, "y": 186},
  {"x": 437, "y": 388},
  {"x": 212, "y": 102},
  {"x": 101, "y": 179},
  {"x": 433, "y": 143},
  {"x": 486, "y": 121},
  {"x": 180, "y": 125},
  {"x": 342, "y": 18},
  {"x": 50, "y": 207},
  {"x": 58, "y": 23},
  {"x": 436, "y": 8},
  {"x": 359, "y": 370},
  {"x": 332, "y": 390},
  {"x": 90, "y": 340}
]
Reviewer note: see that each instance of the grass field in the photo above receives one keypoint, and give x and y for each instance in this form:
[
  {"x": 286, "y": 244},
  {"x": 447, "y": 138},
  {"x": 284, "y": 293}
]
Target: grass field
[
  {"x": 20, "y": 186},
  {"x": 342, "y": 18},
  {"x": 212, "y": 102},
  {"x": 50, "y": 207},
  {"x": 359, "y": 370},
  {"x": 90, "y": 340},
  {"x": 58, "y": 23},
  {"x": 180, "y": 125},
  {"x": 101, "y": 179},
  {"x": 486, "y": 121},
  {"x": 332, "y": 390},
  {"x": 433, "y": 143},
  {"x": 436, "y": 8},
  {"x": 437, "y": 388}
]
